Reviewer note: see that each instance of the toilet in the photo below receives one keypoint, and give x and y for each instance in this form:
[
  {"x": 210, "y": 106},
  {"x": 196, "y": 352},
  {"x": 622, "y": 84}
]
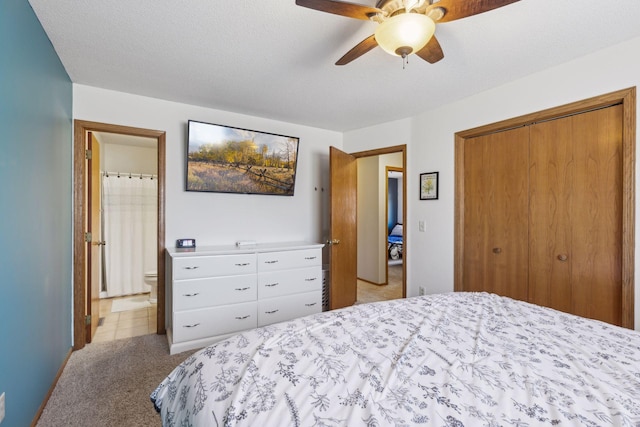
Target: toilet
[{"x": 151, "y": 279}]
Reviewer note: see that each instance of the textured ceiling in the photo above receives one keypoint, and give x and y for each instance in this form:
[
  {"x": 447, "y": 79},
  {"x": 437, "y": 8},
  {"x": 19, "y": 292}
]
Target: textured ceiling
[{"x": 273, "y": 59}]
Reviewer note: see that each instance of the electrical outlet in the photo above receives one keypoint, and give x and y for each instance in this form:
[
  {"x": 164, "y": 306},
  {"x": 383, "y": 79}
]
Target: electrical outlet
[
  {"x": 421, "y": 290},
  {"x": 1, "y": 407}
]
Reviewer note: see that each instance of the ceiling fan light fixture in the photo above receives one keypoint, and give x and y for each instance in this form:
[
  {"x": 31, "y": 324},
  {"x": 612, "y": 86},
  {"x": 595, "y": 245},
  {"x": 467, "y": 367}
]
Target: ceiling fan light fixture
[{"x": 405, "y": 33}]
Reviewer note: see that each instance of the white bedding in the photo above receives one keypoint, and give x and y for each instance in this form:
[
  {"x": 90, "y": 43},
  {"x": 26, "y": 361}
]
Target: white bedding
[{"x": 456, "y": 359}]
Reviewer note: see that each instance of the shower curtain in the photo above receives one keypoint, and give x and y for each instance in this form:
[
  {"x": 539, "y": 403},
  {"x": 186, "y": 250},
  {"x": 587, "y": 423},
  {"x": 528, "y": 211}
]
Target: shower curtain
[{"x": 130, "y": 231}]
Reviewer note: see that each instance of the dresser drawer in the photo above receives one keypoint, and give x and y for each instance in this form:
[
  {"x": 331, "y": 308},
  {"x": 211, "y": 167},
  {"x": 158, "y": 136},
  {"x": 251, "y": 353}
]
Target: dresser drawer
[
  {"x": 276, "y": 283},
  {"x": 212, "y": 291},
  {"x": 207, "y": 266},
  {"x": 271, "y": 261},
  {"x": 209, "y": 322},
  {"x": 272, "y": 310}
]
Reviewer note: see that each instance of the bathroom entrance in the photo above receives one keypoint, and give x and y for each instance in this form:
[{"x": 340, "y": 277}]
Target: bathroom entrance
[
  {"x": 127, "y": 238},
  {"x": 119, "y": 232}
]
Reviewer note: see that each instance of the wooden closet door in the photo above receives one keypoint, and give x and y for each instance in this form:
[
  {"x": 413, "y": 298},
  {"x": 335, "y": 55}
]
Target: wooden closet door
[
  {"x": 575, "y": 221},
  {"x": 495, "y": 212},
  {"x": 551, "y": 177},
  {"x": 596, "y": 214}
]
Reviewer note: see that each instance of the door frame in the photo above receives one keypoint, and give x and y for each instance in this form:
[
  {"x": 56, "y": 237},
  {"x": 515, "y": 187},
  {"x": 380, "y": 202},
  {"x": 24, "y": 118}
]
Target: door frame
[
  {"x": 80, "y": 130},
  {"x": 624, "y": 97},
  {"x": 386, "y": 214},
  {"x": 391, "y": 150}
]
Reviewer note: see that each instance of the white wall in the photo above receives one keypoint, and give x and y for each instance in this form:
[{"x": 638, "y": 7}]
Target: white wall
[
  {"x": 372, "y": 208},
  {"x": 392, "y": 159},
  {"x": 431, "y": 148},
  {"x": 368, "y": 218},
  {"x": 216, "y": 218},
  {"x": 127, "y": 158}
]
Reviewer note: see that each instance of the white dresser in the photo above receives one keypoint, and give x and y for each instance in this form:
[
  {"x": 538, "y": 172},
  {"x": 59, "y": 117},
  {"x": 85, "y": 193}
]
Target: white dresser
[{"x": 215, "y": 291}]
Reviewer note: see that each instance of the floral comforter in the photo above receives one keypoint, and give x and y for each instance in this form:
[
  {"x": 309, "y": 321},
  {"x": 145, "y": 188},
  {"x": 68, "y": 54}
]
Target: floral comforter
[{"x": 455, "y": 359}]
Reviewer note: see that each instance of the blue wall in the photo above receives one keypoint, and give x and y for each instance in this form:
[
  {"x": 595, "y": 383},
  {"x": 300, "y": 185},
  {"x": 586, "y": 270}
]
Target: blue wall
[
  {"x": 35, "y": 212},
  {"x": 392, "y": 206}
]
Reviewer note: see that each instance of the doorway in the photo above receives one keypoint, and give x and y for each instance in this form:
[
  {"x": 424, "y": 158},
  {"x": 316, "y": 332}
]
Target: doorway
[
  {"x": 86, "y": 297},
  {"x": 379, "y": 213},
  {"x": 343, "y": 224}
]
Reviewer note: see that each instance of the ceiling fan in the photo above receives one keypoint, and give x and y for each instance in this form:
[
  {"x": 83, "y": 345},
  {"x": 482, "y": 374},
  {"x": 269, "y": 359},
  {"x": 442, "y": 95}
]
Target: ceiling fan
[{"x": 404, "y": 26}]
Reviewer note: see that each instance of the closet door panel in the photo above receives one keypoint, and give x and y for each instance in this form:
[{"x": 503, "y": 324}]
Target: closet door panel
[
  {"x": 596, "y": 210},
  {"x": 476, "y": 226},
  {"x": 496, "y": 225},
  {"x": 550, "y": 175}
]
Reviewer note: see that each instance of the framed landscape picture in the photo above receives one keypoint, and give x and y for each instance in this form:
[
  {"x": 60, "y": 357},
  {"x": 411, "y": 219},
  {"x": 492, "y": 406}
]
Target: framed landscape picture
[
  {"x": 226, "y": 159},
  {"x": 429, "y": 186}
]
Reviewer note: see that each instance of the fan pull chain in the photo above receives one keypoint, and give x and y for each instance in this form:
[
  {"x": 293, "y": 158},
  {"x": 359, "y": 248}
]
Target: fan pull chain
[{"x": 405, "y": 61}]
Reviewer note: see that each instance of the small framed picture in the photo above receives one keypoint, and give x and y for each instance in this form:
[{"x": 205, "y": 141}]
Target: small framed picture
[{"x": 429, "y": 186}]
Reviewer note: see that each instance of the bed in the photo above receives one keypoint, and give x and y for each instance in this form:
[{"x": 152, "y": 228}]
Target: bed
[
  {"x": 450, "y": 360},
  {"x": 394, "y": 242}
]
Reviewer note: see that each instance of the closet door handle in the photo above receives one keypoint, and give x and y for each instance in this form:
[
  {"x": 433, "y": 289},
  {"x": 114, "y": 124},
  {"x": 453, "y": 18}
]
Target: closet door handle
[
  {"x": 243, "y": 289},
  {"x": 243, "y": 264},
  {"x": 271, "y": 262},
  {"x": 270, "y": 285},
  {"x": 311, "y": 279},
  {"x": 191, "y": 295},
  {"x": 563, "y": 257},
  {"x": 497, "y": 250},
  {"x": 191, "y": 268},
  {"x": 243, "y": 317},
  {"x": 272, "y": 311},
  {"x": 311, "y": 305},
  {"x": 310, "y": 257}
]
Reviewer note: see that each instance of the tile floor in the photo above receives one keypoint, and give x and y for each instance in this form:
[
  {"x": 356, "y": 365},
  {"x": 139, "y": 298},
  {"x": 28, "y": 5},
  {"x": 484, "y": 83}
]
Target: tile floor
[{"x": 124, "y": 324}]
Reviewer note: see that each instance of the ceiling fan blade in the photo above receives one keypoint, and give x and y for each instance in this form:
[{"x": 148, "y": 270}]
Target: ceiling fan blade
[
  {"x": 431, "y": 52},
  {"x": 358, "y": 50},
  {"x": 351, "y": 10},
  {"x": 457, "y": 9}
]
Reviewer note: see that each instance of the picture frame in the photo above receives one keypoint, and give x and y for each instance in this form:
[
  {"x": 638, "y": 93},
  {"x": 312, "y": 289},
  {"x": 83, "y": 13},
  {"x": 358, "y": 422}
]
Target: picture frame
[
  {"x": 429, "y": 186},
  {"x": 227, "y": 159}
]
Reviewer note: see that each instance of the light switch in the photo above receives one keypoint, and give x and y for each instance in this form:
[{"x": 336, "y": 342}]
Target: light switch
[{"x": 421, "y": 225}]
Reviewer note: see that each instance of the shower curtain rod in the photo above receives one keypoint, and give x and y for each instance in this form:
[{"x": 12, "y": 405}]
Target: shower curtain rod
[{"x": 129, "y": 175}]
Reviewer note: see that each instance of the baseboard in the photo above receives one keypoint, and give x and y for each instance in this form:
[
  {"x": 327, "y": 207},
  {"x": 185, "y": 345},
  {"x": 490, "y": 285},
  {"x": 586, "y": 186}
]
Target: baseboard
[
  {"x": 370, "y": 282},
  {"x": 50, "y": 392}
]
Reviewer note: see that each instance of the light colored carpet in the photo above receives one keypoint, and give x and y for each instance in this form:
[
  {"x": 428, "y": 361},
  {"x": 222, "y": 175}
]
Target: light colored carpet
[
  {"x": 134, "y": 302},
  {"x": 368, "y": 292},
  {"x": 108, "y": 384}
]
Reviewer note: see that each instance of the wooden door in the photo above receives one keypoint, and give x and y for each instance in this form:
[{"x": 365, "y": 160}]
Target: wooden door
[
  {"x": 582, "y": 206},
  {"x": 342, "y": 229},
  {"x": 94, "y": 247},
  {"x": 495, "y": 213},
  {"x": 596, "y": 215},
  {"x": 551, "y": 175}
]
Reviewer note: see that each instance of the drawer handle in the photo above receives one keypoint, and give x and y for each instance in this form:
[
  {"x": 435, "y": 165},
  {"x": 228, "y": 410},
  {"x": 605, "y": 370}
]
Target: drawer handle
[
  {"x": 191, "y": 326},
  {"x": 310, "y": 257},
  {"x": 191, "y": 295},
  {"x": 270, "y": 285},
  {"x": 191, "y": 268},
  {"x": 271, "y": 262},
  {"x": 311, "y": 279},
  {"x": 272, "y": 311},
  {"x": 243, "y": 289},
  {"x": 311, "y": 305},
  {"x": 243, "y": 317},
  {"x": 242, "y": 264}
]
